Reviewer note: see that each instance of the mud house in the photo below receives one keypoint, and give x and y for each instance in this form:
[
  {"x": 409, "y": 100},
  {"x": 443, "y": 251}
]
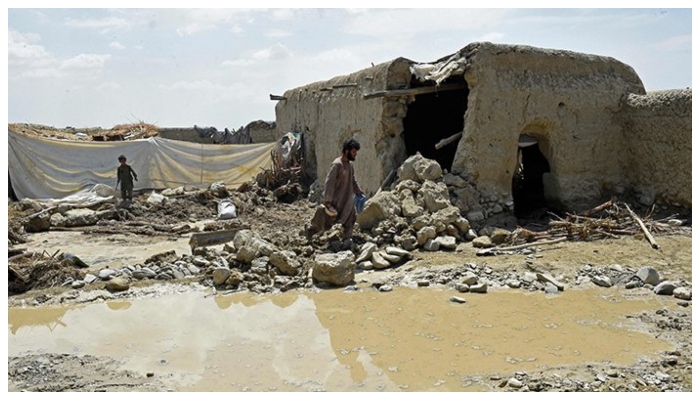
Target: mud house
[{"x": 581, "y": 127}]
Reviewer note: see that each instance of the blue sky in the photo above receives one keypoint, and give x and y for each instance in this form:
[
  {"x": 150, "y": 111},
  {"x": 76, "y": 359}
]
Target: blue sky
[{"x": 179, "y": 67}]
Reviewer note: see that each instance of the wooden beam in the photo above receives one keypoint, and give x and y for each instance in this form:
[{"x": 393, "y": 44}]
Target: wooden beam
[
  {"x": 446, "y": 141},
  {"x": 344, "y": 85},
  {"x": 276, "y": 97},
  {"x": 647, "y": 234},
  {"x": 416, "y": 90}
]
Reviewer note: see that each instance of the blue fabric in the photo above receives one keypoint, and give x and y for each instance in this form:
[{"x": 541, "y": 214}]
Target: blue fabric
[{"x": 360, "y": 202}]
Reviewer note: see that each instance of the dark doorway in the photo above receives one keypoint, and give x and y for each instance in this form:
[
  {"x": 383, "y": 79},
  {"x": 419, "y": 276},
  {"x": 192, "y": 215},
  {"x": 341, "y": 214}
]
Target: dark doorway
[
  {"x": 433, "y": 117},
  {"x": 528, "y": 188}
]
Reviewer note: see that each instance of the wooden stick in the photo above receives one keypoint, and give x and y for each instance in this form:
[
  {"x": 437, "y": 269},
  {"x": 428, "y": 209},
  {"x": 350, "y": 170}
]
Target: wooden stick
[
  {"x": 650, "y": 238},
  {"x": 445, "y": 142},
  {"x": 344, "y": 85},
  {"x": 23, "y": 255},
  {"x": 531, "y": 244},
  {"x": 600, "y": 208},
  {"x": 413, "y": 91}
]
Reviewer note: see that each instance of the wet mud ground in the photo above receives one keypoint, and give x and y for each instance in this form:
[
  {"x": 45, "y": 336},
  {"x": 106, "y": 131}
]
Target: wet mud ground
[{"x": 183, "y": 336}]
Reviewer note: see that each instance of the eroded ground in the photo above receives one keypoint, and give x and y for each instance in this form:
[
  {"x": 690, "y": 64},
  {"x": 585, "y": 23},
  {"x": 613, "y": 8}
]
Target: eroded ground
[{"x": 113, "y": 245}]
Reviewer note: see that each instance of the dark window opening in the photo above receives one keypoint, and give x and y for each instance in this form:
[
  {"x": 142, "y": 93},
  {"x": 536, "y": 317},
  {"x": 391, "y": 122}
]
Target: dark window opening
[
  {"x": 528, "y": 188},
  {"x": 433, "y": 117}
]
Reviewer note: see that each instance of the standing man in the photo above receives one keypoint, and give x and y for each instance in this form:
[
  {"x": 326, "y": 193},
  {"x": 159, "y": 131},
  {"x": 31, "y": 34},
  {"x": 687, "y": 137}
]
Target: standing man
[
  {"x": 338, "y": 196},
  {"x": 124, "y": 174}
]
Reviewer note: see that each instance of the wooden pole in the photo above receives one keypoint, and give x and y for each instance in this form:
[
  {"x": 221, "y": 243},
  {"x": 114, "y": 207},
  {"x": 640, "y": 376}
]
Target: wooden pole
[
  {"x": 650, "y": 238},
  {"x": 445, "y": 142},
  {"x": 496, "y": 250},
  {"x": 414, "y": 91}
]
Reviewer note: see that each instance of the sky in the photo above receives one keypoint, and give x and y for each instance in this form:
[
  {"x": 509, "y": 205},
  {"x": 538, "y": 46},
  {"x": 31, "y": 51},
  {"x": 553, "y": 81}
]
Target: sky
[{"x": 176, "y": 67}]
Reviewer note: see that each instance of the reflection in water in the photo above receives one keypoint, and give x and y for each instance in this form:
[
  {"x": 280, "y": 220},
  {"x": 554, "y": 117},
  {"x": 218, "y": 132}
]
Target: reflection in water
[
  {"x": 51, "y": 317},
  {"x": 407, "y": 339},
  {"x": 119, "y": 305}
]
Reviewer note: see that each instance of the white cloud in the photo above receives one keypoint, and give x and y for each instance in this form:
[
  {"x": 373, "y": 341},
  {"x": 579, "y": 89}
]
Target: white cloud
[
  {"x": 490, "y": 37},
  {"x": 102, "y": 24},
  {"x": 277, "y": 33},
  {"x": 282, "y": 14},
  {"x": 672, "y": 44},
  {"x": 335, "y": 56},
  {"x": 277, "y": 52},
  {"x": 108, "y": 86},
  {"x": 238, "y": 63},
  {"x": 190, "y": 85},
  {"x": 200, "y": 20},
  {"x": 213, "y": 91},
  {"x": 41, "y": 73},
  {"x": 85, "y": 61},
  {"x": 409, "y": 23},
  {"x": 117, "y": 45},
  {"x": 193, "y": 28},
  {"x": 22, "y": 50}
]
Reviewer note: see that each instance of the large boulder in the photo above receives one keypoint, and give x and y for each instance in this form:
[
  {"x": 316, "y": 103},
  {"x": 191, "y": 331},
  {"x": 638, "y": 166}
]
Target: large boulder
[
  {"x": 409, "y": 208},
  {"x": 252, "y": 240},
  {"x": 76, "y": 217},
  {"x": 38, "y": 223},
  {"x": 419, "y": 168},
  {"x": 286, "y": 262},
  {"x": 435, "y": 195},
  {"x": 381, "y": 206},
  {"x": 337, "y": 269}
]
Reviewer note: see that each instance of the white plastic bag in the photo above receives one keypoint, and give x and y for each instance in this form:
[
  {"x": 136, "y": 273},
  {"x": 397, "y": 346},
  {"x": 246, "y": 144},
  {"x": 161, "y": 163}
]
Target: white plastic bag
[{"x": 226, "y": 210}]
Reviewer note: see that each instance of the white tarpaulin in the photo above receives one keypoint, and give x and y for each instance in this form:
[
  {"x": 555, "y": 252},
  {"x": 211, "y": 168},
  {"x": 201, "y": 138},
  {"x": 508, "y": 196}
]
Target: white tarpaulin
[{"x": 53, "y": 169}]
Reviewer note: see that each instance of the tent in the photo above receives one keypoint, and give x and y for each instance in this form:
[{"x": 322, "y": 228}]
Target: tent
[{"x": 42, "y": 168}]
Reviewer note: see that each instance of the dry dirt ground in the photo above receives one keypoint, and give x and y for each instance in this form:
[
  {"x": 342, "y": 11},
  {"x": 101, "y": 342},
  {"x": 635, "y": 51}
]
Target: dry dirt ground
[{"x": 138, "y": 229}]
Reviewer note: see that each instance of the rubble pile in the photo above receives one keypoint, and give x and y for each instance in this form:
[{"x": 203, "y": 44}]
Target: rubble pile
[{"x": 420, "y": 212}]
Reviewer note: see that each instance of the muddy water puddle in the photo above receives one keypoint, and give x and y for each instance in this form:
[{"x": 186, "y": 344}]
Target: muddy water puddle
[{"x": 404, "y": 340}]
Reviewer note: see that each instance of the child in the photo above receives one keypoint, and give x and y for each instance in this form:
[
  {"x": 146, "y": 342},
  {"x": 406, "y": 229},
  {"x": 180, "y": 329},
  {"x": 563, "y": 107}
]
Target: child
[{"x": 124, "y": 173}]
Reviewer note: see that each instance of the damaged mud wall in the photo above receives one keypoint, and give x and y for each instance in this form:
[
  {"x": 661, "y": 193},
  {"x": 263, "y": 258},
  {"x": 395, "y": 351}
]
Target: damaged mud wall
[
  {"x": 566, "y": 100},
  {"x": 262, "y": 131},
  {"x": 329, "y": 112},
  {"x": 658, "y": 134},
  {"x": 183, "y": 134}
]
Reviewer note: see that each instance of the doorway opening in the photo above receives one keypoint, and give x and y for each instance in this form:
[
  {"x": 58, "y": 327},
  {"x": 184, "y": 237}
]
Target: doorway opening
[
  {"x": 528, "y": 188},
  {"x": 435, "y": 116}
]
